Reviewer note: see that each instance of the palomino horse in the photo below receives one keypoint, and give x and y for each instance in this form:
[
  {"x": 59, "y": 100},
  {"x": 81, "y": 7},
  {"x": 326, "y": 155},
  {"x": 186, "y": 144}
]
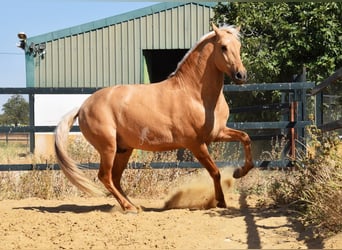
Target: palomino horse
[{"x": 187, "y": 110}]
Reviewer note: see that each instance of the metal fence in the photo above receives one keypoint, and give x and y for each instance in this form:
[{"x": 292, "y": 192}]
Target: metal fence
[
  {"x": 293, "y": 102},
  {"x": 317, "y": 91}
]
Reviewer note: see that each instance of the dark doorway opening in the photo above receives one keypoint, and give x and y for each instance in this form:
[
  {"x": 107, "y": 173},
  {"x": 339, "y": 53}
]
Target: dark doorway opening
[{"x": 162, "y": 62}]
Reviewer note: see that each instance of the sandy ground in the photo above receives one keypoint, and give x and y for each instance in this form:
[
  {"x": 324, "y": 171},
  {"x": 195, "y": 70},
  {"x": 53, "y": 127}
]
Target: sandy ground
[
  {"x": 98, "y": 223},
  {"x": 190, "y": 222}
]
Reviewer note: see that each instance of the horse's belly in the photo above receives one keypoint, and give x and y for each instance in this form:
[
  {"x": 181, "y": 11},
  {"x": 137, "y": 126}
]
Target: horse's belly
[{"x": 147, "y": 138}]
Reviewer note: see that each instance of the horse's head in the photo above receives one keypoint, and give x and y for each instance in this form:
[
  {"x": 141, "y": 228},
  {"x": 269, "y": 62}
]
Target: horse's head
[{"x": 227, "y": 53}]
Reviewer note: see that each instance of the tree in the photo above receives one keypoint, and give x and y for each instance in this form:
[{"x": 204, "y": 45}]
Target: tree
[
  {"x": 16, "y": 111},
  {"x": 279, "y": 39}
]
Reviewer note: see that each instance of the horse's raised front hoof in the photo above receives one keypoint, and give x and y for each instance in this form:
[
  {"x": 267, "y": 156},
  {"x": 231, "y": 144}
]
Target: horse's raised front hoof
[
  {"x": 221, "y": 204},
  {"x": 238, "y": 173},
  {"x": 242, "y": 171}
]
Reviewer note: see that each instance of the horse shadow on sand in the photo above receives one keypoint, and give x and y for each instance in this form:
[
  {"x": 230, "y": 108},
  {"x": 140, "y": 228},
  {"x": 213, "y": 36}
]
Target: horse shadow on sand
[{"x": 70, "y": 208}]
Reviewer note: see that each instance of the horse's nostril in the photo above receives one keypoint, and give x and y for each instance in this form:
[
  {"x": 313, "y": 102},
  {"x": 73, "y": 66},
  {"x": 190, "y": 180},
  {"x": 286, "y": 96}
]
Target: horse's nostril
[{"x": 240, "y": 76}]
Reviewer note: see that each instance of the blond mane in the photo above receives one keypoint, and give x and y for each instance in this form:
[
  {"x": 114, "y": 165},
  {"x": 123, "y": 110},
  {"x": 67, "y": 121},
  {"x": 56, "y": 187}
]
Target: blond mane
[{"x": 229, "y": 28}]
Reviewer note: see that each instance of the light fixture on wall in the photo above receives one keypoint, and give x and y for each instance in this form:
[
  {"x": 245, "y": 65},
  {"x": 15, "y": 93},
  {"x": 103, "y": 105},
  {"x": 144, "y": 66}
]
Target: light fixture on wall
[
  {"x": 32, "y": 49},
  {"x": 22, "y": 40},
  {"x": 37, "y": 49}
]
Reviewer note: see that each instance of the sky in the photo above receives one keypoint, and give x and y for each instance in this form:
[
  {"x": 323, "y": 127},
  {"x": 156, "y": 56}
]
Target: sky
[{"x": 36, "y": 17}]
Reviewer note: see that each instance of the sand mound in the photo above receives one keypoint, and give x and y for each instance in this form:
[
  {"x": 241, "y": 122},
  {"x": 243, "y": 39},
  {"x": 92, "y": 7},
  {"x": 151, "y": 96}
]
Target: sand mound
[{"x": 198, "y": 192}]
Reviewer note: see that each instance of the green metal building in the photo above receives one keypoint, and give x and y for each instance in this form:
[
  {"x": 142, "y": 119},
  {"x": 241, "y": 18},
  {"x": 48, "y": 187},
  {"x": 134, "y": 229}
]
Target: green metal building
[{"x": 141, "y": 46}]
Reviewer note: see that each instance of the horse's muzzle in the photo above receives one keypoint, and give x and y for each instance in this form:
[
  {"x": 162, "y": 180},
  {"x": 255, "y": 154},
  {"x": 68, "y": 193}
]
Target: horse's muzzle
[{"x": 240, "y": 77}]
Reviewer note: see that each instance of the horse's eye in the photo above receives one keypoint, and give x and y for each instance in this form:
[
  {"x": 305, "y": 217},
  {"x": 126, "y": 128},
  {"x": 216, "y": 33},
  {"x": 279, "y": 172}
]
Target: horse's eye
[{"x": 224, "y": 48}]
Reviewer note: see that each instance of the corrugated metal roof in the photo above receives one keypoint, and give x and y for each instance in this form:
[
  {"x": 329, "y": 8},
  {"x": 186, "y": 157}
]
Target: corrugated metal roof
[
  {"x": 110, "y": 51},
  {"x": 112, "y": 20}
]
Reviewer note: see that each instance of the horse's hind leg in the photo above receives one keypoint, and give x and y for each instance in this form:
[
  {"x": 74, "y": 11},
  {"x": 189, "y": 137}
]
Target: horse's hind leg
[
  {"x": 105, "y": 176},
  {"x": 120, "y": 163}
]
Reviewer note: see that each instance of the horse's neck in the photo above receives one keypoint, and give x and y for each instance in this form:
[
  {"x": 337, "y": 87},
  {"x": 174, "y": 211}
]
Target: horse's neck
[{"x": 198, "y": 73}]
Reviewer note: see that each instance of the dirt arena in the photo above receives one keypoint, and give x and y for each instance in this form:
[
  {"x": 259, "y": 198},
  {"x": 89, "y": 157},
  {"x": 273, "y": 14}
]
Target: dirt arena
[{"x": 99, "y": 223}]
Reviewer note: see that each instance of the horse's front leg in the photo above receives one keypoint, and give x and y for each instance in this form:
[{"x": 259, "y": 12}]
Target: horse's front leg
[
  {"x": 229, "y": 135},
  {"x": 202, "y": 154}
]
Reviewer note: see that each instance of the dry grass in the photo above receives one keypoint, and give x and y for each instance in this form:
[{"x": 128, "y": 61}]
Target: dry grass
[
  {"x": 52, "y": 184},
  {"x": 13, "y": 152},
  {"x": 314, "y": 190}
]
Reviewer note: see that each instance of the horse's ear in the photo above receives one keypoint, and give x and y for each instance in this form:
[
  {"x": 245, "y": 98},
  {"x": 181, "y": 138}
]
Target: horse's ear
[
  {"x": 238, "y": 28},
  {"x": 215, "y": 28}
]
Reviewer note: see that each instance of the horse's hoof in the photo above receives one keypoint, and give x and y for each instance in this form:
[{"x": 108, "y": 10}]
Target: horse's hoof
[
  {"x": 242, "y": 171},
  {"x": 132, "y": 210},
  {"x": 221, "y": 204},
  {"x": 237, "y": 173}
]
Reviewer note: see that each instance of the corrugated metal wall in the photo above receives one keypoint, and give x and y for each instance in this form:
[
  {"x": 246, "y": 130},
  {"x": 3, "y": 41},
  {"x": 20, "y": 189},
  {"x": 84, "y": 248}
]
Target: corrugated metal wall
[{"x": 112, "y": 54}]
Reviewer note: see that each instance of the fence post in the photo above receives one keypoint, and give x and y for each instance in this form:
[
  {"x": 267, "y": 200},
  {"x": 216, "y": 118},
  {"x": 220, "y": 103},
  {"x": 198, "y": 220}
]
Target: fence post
[
  {"x": 300, "y": 98},
  {"x": 319, "y": 108},
  {"x": 31, "y": 117},
  {"x": 293, "y": 134}
]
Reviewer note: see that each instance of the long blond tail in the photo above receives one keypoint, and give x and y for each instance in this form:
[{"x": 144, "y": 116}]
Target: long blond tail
[{"x": 68, "y": 165}]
